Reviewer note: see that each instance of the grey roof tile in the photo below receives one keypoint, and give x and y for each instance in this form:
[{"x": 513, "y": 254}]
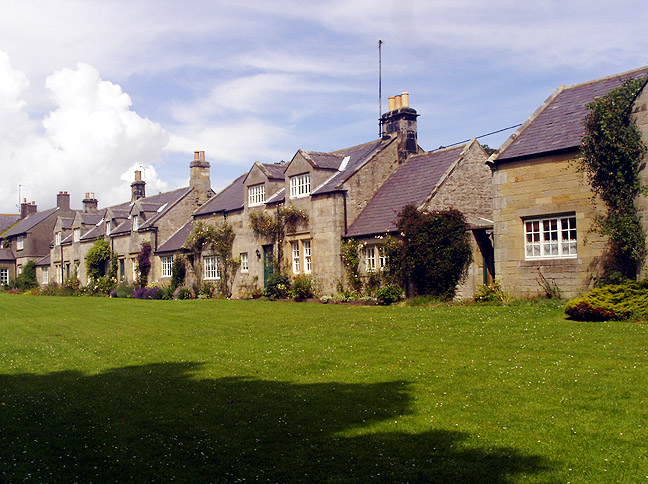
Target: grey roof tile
[
  {"x": 30, "y": 222},
  {"x": 7, "y": 255},
  {"x": 559, "y": 124},
  {"x": 7, "y": 220},
  {"x": 411, "y": 183},
  {"x": 177, "y": 240},
  {"x": 230, "y": 198}
]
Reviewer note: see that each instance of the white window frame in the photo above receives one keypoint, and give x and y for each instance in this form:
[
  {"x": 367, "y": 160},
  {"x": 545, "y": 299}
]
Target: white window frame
[
  {"x": 77, "y": 235},
  {"x": 45, "y": 275},
  {"x": 4, "y": 276},
  {"x": 59, "y": 274},
  {"x": 245, "y": 267},
  {"x": 211, "y": 268},
  {"x": 20, "y": 242},
  {"x": 295, "y": 256},
  {"x": 135, "y": 222},
  {"x": 300, "y": 185},
  {"x": 256, "y": 195},
  {"x": 308, "y": 264},
  {"x": 135, "y": 272},
  {"x": 107, "y": 227},
  {"x": 167, "y": 265},
  {"x": 550, "y": 238},
  {"x": 370, "y": 258},
  {"x": 57, "y": 238}
]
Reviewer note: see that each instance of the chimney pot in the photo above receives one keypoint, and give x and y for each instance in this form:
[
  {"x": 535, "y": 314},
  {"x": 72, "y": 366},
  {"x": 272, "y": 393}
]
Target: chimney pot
[
  {"x": 398, "y": 102},
  {"x": 197, "y": 155},
  {"x": 405, "y": 99},
  {"x": 392, "y": 103}
]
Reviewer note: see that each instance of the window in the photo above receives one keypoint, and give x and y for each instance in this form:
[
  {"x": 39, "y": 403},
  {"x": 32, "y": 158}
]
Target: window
[
  {"x": 135, "y": 222},
  {"x": 300, "y": 185},
  {"x": 244, "y": 262},
  {"x": 167, "y": 265},
  {"x": 370, "y": 258},
  {"x": 4, "y": 276},
  {"x": 134, "y": 268},
  {"x": 295, "y": 257},
  {"x": 375, "y": 258},
  {"x": 122, "y": 272},
  {"x": 77, "y": 235},
  {"x": 256, "y": 195},
  {"x": 210, "y": 268},
  {"x": 59, "y": 274},
  {"x": 45, "y": 274},
  {"x": 550, "y": 238},
  {"x": 57, "y": 238},
  {"x": 107, "y": 227},
  {"x": 20, "y": 242},
  {"x": 307, "y": 256}
]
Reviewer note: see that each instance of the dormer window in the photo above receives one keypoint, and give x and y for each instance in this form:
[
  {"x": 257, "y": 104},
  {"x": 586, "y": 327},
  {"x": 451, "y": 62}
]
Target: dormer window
[
  {"x": 57, "y": 238},
  {"x": 20, "y": 242},
  {"x": 256, "y": 195},
  {"x": 108, "y": 227},
  {"x": 135, "y": 222},
  {"x": 77, "y": 234},
  {"x": 300, "y": 185}
]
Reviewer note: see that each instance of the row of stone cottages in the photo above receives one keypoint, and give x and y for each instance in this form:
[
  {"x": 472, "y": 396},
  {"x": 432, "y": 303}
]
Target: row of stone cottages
[{"x": 528, "y": 207}]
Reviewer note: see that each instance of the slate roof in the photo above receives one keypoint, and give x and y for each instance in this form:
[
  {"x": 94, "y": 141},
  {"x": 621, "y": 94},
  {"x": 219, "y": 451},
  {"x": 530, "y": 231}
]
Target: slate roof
[
  {"x": 66, "y": 223},
  {"x": 358, "y": 156},
  {"x": 45, "y": 261},
  {"x": 276, "y": 170},
  {"x": 177, "y": 240},
  {"x": 558, "y": 124},
  {"x": 230, "y": 198},
  {"x": 90, "y": 218},
  {"x": 7, "y": 255},
  {"x": 29, "y": 222},
  {"x": 410, "y": 183},
  {"x": 328, "y": 161},
  {"x": 7, "y": 220}
]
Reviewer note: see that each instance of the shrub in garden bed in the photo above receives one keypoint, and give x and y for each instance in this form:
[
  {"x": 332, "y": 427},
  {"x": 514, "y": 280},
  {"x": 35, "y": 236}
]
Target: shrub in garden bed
[{"x": 612, "y": 302}]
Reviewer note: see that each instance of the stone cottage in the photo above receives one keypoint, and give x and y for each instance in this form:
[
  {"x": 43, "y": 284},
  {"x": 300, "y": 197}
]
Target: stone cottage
[{"x": 543, "y": 207}]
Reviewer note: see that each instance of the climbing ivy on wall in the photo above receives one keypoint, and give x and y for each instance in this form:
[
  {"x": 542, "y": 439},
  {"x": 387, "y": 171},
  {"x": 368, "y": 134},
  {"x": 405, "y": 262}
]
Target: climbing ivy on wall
[{"x": 612, "y": 152}]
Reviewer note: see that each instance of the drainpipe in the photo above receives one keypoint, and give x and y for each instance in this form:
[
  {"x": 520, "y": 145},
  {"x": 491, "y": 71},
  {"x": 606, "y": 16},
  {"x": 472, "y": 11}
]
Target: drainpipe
[{"x": 344, "y": 198}]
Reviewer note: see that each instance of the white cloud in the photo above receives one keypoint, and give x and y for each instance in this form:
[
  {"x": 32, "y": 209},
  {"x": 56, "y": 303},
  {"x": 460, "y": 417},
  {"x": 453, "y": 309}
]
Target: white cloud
[{"x": 85, "y": 144}]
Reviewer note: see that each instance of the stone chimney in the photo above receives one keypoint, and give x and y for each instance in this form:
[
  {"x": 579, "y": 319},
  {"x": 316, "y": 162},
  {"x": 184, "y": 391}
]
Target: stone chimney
[
  {"x": 63, "y": 201},
  {"x": 138, "y": 187},
  {"x": 27, "y": 209},
  {"x": 199, "y": 177},
  {"x": 400, "y": 122},
  {"x": 90, "y": 203}
]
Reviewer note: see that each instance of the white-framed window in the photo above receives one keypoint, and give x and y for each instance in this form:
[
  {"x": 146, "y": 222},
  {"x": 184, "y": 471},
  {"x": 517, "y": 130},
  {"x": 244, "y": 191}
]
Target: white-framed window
[
  {"x": 306, "y": 244},
  {"x": 77, "y": 234},
  {"x": 370, "y": 258},
  {"x": 210, "y": 268},
  {"x": 4, "y": 276},
  {"x": 45, "y": 275},
  {"x": 256, "y": 194},
  {"x": 550, "y": 238},
  {"x": 134, "y": 268},
  {"x": 18, "y": 270},
  {"x": 59, "y": 274},
  {"x": 375, "y": 258},
  {"x": 136, "y": 222},
  {"x": 295, "y": 257},
  {"x": 57, "y": 238},
  {"x": 20, "y": 242},
  {"x": 300, "y": 185},
  {"x": 167, "y": 265},
  {"x": 107, "y": 227},
  {"x": 245, "y": 267}
]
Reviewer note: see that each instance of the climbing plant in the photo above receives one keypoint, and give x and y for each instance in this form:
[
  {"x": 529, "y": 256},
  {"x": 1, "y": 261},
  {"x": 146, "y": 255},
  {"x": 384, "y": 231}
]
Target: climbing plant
[
  {"x": 219, "y": 239},
  {"x": 612, "y": 152},
  {"x": 97, "y": 258},
  {"x": 143, "y": 264},
  {"x": 350, "y": 252},
  {"x": 275, "y": 227}
]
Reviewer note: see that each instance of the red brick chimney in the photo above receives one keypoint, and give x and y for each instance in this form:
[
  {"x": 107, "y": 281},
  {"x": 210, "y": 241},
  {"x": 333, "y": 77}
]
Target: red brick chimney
[{"x": 27, "y": 209}]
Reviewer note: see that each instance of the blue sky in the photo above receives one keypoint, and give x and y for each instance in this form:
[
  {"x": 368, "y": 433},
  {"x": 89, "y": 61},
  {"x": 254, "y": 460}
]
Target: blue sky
[{"x": 91, "y": 90}]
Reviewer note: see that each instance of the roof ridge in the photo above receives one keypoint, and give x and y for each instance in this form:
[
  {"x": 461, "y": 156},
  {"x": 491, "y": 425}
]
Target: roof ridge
[{"x": 606, "y": 78}]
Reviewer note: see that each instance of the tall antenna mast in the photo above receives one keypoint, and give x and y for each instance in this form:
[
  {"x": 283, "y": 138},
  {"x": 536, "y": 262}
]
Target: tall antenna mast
[{"x": 380, "y": 42}]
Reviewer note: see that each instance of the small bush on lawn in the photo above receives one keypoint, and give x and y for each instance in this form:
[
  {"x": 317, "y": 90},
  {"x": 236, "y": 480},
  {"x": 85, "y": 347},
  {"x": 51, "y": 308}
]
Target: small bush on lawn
[
  {"x": 277, "y": 287},
  {"x": 612, "y": 302},
  {"x": 490, "y": 293},
  {"x": 183, "y": 293},
  {"x": 389, "y": 294}
]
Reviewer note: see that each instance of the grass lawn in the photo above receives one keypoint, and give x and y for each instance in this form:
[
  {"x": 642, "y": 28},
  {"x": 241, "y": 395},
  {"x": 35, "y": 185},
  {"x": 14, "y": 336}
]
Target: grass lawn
[{"x": 117, "y": 390}]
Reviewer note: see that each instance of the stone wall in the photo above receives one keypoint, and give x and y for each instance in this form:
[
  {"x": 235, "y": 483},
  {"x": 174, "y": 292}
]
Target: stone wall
[{"x": 542, "y": 187}]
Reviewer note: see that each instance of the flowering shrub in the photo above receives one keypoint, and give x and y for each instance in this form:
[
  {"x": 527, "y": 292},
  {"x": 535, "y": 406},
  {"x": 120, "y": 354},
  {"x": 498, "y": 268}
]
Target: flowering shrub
[
  {"x": 302, "y": 287},
  {"x": 143, "y": 264},
  {"x": 490, "y": 293},
  {"x": 277, "y": 287}
]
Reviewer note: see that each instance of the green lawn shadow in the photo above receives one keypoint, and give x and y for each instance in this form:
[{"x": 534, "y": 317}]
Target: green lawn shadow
[{"x": 158, "y": 423}]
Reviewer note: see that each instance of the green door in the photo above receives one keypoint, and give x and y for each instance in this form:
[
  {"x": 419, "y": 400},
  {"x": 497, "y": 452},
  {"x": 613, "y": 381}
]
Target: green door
[{"x": 268, "y": 261}]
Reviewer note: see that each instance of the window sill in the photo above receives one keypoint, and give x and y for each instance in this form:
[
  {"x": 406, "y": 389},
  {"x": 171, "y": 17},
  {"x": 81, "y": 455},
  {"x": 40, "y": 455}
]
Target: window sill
[{"x": 571, "y": 261}]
